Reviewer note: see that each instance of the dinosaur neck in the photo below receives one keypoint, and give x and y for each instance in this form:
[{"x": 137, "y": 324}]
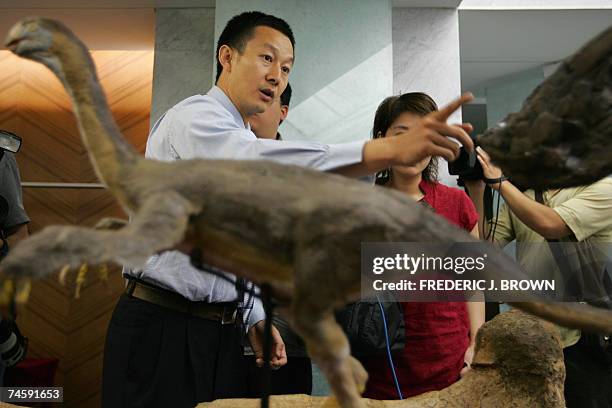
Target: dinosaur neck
[{"x": 108, "y": 150}]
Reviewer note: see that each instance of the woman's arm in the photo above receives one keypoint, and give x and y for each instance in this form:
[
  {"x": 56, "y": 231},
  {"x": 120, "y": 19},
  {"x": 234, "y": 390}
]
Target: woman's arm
[
  {"x": 475, "y": 190},
  {"x": 476, "y": 314}
]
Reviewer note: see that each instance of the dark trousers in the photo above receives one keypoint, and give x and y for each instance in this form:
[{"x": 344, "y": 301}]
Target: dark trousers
[
  {"x": 295, "y": 377},
  {"x": 157, "y": 357},
  {"x": 588, "y": 379}
]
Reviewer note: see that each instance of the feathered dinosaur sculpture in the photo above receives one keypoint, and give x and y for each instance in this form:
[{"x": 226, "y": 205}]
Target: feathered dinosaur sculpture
[
  {"x": 561, "y": 137},
  {"x": 294, "y": 228}
]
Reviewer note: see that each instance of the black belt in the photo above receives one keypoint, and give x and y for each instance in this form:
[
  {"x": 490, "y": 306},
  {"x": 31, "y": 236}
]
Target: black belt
[{"x": 225, "y": 312}]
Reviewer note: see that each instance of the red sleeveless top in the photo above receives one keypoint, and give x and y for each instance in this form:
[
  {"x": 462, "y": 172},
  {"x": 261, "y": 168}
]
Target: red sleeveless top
[{"x": 437, "y": 333}]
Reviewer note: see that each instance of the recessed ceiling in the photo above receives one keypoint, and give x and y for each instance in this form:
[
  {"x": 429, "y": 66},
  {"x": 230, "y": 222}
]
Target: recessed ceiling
[
  {"x": 100, "y": 29},
  {"x": 106, "y": 4},
  {"x": 494, "y": 43},
  {"x": 534, "y": 4},
  {"x": 427, "y": 3}
]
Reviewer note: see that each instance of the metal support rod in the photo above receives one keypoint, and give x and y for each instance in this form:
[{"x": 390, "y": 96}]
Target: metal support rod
[
  {"x": 266, "y": 297},
  {"x": 44, "y": 184}
]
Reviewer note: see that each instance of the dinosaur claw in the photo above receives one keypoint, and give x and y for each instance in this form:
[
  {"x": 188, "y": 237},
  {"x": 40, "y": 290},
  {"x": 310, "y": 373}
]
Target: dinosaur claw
[
  {"x": 22, "y": 293},
  {"x": 103, "y": 273},
  {"x": 7, "y": 292},
  {"x": 63, "y": 274},
  {"x": 80, "y": 279}
]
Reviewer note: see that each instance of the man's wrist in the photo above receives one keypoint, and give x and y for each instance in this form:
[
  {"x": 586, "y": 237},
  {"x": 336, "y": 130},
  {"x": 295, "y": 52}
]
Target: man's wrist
[
  {"x": 251, "y": 325},
  {"x": 379, "y": 154}
]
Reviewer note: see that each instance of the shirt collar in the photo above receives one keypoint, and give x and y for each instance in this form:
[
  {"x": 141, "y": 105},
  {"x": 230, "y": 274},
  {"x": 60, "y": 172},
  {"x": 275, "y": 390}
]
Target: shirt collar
[
  {"x": 217, "y": 94},
  {"x": 426, "y": 187}
]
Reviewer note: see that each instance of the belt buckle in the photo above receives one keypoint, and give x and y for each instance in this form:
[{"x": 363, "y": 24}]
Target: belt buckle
[{"x": 229, "y": 315}]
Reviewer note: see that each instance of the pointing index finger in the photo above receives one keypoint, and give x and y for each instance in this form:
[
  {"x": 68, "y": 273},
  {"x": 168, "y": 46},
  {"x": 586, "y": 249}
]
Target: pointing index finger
[{"x": 444, "y": 113}]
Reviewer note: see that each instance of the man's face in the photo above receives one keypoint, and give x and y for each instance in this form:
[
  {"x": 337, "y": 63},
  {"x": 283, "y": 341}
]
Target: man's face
[
  {"x": 256, "y": 78},
  {"x": 265, "y": 125}
]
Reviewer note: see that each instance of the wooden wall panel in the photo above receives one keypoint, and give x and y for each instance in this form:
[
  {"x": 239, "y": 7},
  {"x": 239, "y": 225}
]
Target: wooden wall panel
[{"x": 34, "y": 105}]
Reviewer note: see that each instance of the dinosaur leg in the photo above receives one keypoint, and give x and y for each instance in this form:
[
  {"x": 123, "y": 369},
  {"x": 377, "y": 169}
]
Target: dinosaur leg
[
  {"x": 159, "y": 224},
  {"x": 329, "y": 348},
  {"x": 108, "y": 223}
]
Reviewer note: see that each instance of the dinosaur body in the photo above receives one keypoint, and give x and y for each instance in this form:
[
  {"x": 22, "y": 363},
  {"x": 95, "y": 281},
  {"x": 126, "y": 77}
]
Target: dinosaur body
[
  {"x": 561, "y": 136},
  {"x": 297, "y": 229}
]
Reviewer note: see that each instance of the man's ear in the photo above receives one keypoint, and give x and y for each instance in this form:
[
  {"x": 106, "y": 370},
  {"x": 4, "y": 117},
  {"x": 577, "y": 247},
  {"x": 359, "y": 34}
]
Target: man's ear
[
  {"x": 226, "y": 53},
  {"x": 284, "y": 112}
]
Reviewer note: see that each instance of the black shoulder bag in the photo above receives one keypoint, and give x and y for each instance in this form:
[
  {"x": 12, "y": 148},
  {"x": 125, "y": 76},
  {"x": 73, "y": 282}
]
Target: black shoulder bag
[{"x": 364, "y": 325}]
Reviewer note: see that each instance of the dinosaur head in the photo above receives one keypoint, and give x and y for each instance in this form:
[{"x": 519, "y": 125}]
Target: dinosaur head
[
  {"x": 40, "y": 40},
  {"x": 31, "y": 38},
  {"x": 562, "y": 135}
]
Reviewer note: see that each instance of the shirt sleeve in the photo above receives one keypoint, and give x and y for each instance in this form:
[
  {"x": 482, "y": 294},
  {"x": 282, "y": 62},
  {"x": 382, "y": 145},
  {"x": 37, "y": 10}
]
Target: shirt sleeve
[
  {"x": 469, "y": 215},
  {"x": 257, "y": 313},
  {"x": 10, "y": 190},
  {"x": 198, "y": 137},
  {"x": 589, "y": 211}
]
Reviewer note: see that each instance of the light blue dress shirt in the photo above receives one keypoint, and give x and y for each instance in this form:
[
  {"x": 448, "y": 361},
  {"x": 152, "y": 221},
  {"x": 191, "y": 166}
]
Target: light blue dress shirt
[{"x": 210, "y": 127}]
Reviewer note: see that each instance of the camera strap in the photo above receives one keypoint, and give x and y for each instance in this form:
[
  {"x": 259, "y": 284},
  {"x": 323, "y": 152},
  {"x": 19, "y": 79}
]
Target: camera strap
[{"x": 494, "y": 180}]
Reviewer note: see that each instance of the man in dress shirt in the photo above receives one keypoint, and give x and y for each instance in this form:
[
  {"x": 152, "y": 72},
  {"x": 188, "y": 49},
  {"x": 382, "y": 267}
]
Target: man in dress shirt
[{"x": 171, "y": 340}]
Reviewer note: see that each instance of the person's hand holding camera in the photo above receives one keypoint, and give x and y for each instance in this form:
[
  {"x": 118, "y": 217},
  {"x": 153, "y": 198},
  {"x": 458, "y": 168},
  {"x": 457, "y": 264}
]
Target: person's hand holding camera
[{"x": 490, "y": 171}]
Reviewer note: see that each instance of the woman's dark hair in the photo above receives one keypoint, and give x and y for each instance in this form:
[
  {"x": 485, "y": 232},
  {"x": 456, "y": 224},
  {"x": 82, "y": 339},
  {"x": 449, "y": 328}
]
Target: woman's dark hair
[
  {"x": 392, "y": 108},
  {"x": 239, "y": 30}
]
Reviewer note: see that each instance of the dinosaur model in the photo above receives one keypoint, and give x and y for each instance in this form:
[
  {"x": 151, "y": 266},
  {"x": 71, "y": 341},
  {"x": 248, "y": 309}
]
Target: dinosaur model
[
  {"x": 561, "y": 136},
  {"x": 298, "y": 230}
]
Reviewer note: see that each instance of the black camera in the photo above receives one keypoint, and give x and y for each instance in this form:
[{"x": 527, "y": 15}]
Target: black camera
[
  {"x": 4, "y": 209},
  {"x": 13, "y": 345},
  {"x": 9, "y": 141},
  {"x": 467, "y": 166}
]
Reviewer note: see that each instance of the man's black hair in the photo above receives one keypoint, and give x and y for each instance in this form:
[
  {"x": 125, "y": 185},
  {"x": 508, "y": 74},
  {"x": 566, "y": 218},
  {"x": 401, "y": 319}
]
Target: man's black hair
[
  {"x": 239, "y": 30},
  {"x": 285, "y": 97}
]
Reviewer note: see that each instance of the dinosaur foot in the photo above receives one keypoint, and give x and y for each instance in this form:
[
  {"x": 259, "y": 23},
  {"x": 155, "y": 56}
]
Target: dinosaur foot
[
  {"x": 81, "y": 276},
  {"x": 15, "y": 293}
]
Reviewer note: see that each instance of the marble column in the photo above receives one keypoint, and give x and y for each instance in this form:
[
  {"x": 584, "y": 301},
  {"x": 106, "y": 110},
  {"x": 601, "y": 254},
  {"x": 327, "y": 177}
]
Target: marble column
[
  {"x": 426, "y": 58},
  {"x": 184, "y": 53}
]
